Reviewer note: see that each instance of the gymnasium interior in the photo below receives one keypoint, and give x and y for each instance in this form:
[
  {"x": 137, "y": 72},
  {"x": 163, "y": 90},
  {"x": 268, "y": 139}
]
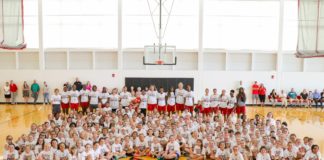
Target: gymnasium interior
[{"x": 162, "y": 79}]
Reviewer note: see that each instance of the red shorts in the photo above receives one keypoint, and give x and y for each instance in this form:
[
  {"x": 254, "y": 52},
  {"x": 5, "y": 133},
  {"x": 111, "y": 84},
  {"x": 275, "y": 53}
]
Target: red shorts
[
  {"x": 65, "y": 106},
  {"x": 229, "y": 111},
  {"x": 161, "y": 108},
  {"x": 151, "y": 107},
  {"x": 199, "y": 108},
  {"x": 240, "y": 109},
  {"x": 84, "y": 104},
  {"x": 171, "y": 108},
  {"x": 189, "y": 108},
  {"x": 206, "y": 110},
  {"x": 74, "y": 106},
  {"x": 180, "y": 107},
  {"x": 214, "y": 109},
  {"x": 223, "y": 111}
]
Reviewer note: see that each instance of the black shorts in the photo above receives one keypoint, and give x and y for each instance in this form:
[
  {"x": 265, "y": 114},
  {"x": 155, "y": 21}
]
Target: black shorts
[
  {"x": 7, "y": 95},
  {"x": 262, "y": 98}
]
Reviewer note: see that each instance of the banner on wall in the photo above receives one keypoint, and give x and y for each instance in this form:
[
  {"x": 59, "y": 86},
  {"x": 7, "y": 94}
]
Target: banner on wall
[
  {"x": 310, "y": 29},
  {"x": 12, "y": 24}
]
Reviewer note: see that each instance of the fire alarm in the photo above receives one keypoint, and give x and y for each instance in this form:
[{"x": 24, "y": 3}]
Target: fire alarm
[{"x": 113, "y": 75}]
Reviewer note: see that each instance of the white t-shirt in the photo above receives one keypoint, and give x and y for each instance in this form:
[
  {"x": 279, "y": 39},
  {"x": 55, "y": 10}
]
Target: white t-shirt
[
  {"x": 223, "y": 101},
  {"x": 205, "y": 99},
  {"x": 180, "y": 95},
  {"x": 11, "y": 155},
  {"x": 56, "y": 99},
  {"x": 263, "y": 157},
  {"x": 161, "y": 99},
  {"x": 85, "y": 154},
  {"x": 173, "y": 147},
  {"x": 290, "y": 154},
  {"x": 239, "y": 156},
  {"x": 156, "y": 147},
  {"x": 199, "y": 151},
  {"x": 143, "y": 103},
  {"x": 29, "y": 155},
  {"x": 104, "y": 97},
  {"x": 171, "y": 99},
  {"x": 46, "y": 155},
  {"x": 84, "y": 95},
  {"x": 232, "y": 101},
  {"x": 6, "y": 90},
  {"x": 65, "y": 97},
  {"x": 74, "y": 96},
  {"x": 277, "y": 152},
  {"x": 114, "y": 101},
  {"x": 214, "y": 100},
  {"x": 224, "y": 154},
  {"x": 152, "y": 97},
  {"x": 311, "y": 156},
  {"x": 189, "y": 98},
  {"x": 125, "y": 98},
  {"x": 116, "y": 148},
  {"x": 59, "y": 155},
  {"x": 94, "y": 96},
  {"x": 141, "y": 145}
]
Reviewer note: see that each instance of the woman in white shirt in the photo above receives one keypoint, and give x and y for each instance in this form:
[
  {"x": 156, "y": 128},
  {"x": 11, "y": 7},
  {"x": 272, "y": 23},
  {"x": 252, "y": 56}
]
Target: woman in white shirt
[
  {"x": 74, "y": 98},
  {"x": 205, "y": 102},
  {"x": 84, "y": 99},
  {"x": 189, "y": 99},
  {"x": 143, "y": 103},
  {"x": 65, "y": 100},
  {"x": 125, "y": 97},
  {"x": 180, "y": 93},
  {"x": 56, "y": 102},
  {"x": 94, "y": 98},
  {"x": 152, "y": 98},
  {"x": 223, "y": 102},
  {"x": 161, "y": 96},
  {"x": 6, "y": 91},
  {"x": 231, "y": 104},
  {"x": 114, "y": 100},
  {"x": 104, "y": 95},
  {"x": 214, "y": 101},
  {"x": 171, "y": 101}
]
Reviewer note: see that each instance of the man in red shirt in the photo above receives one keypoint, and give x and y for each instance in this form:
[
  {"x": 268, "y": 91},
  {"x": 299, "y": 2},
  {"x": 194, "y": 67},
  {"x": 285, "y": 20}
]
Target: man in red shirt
[
  {"x": 255, "y": 93},
  {"x": 13, "y": 90}
]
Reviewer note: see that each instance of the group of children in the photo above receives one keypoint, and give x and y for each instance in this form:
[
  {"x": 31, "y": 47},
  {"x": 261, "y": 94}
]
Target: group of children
[
  {"x": 148, "y": 100},
  {"x": 106, "y": 135}
]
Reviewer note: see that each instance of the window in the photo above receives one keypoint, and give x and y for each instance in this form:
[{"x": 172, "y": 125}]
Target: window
[
  {"x": 80, "y": 23},
  {"x": 31, "y": 23},
  {"x": 181, "y": 31},
  {"x": 241, "y": 24},
  {"x": 290, "y": 29}
]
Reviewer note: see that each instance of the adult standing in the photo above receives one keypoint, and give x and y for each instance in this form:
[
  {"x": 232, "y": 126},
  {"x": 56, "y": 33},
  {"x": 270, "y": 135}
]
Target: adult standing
[
  {"x": 78, "y": 84},
  {"x": 46, "y": 92},
  {"x": 262, "y": 94},
  {"x": 6, "y": 91},
  {"x": 26, "y": 92},
  {"x": 241, "y": 99},
  {"x": 35, "y": 91},
  {"x": 255, "y": 93},
  {"x": 13, "y": 91}
]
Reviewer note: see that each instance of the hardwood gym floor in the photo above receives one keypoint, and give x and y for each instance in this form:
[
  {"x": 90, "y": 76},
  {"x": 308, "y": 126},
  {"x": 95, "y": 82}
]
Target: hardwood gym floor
[{"x": 16, "y": 119}]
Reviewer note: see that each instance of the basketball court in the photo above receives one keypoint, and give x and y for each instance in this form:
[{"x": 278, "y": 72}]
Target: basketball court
[{"x": 199, "y": 74}]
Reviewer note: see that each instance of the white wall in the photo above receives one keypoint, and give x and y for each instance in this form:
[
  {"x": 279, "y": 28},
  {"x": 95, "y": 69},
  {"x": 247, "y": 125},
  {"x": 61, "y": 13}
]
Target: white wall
[{"x": 211, "y": 79}]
